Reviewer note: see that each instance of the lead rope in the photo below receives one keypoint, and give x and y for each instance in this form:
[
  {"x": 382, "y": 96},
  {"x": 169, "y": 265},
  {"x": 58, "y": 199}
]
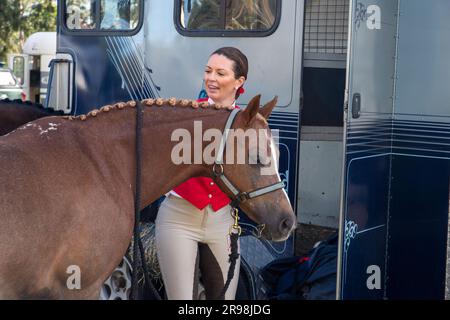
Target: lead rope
[
  {"x": 234, "y": 255},
  {"x": 137, "y": 243}
]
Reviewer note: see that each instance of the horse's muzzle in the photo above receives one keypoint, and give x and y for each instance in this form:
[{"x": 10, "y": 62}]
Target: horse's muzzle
[
  {"x": 287, "y": 225},
  {"x": 283, "y": 230}
]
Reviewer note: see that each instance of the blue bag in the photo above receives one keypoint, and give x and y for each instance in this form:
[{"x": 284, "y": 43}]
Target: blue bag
[{"x": 311, "y": 277}]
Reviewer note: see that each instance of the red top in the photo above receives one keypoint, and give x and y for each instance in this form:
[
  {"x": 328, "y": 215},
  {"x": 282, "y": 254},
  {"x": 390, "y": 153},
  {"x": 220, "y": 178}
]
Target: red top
[{"x": 201, "y": 191}]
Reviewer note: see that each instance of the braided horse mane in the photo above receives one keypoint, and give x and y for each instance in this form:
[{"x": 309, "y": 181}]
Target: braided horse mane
[{"x": 159, "y": 102}]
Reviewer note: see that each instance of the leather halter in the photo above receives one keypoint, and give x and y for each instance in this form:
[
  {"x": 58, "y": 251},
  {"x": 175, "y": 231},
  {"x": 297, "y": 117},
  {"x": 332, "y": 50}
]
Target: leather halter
[{"x": 239, "y": 196}]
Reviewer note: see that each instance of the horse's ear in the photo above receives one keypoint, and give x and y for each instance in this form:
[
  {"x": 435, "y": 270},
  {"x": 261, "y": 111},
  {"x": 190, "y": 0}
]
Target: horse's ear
[
  {"x": 268, "y": 107},
  {"x": 252, "y": 109}
]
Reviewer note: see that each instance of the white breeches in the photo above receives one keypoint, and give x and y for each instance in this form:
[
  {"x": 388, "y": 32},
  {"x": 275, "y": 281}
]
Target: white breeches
[{"x": 184, "y": 232}]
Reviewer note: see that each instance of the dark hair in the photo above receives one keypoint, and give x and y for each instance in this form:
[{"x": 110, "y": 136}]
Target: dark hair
[{"x": 240, "y": 67}]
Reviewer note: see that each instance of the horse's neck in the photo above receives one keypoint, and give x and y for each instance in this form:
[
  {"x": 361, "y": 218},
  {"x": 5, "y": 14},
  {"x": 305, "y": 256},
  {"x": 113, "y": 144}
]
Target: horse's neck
[
  {"x": 159, "y": 172},
  {"x": 13, "y": 115},
  {"x": 22, "y": 111}
]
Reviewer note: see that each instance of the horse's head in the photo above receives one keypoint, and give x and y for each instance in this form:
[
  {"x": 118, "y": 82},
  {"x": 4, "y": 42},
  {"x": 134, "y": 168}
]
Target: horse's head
[{"x": 250, "y": 163}]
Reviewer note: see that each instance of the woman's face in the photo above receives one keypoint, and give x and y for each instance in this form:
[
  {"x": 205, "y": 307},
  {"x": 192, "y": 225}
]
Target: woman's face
[{"x": 220, "y": 81}]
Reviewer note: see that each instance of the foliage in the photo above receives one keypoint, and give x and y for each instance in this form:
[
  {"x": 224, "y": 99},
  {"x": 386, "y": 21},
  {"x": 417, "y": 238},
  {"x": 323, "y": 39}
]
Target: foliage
[{"x": 21, "y": 18}]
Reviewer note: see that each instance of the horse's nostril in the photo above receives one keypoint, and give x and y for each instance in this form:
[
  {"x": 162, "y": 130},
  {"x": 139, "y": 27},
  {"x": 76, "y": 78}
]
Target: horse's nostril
[{"x": 286, "y": 225}]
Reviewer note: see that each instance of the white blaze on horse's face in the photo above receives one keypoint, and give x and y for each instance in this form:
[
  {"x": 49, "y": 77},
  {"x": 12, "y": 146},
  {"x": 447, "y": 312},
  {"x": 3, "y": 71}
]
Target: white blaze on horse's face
[
  {"x": 272, "y": 209},
  {"x": 272, "y": 167},
  {"x": 266, "y": 204},
  {"x": 275, "y": 156}
]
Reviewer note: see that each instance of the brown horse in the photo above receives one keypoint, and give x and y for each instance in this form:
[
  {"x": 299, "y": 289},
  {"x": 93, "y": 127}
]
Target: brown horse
[
  {"x": 14, "y": 113},
  {"x": 67, "y": 190}
]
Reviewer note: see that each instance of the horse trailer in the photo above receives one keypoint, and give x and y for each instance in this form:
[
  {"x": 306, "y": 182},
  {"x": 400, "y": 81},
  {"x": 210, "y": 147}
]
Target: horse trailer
[
  {"x": 31, "y": 67},
  {"x": 363, "y": 114}
]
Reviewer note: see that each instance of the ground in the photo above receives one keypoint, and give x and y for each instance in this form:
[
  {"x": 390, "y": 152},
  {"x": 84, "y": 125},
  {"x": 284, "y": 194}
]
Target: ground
[{"x": 307, "y": 235}]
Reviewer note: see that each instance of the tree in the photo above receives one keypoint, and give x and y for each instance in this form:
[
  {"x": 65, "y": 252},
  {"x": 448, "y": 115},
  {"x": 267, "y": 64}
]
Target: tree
[
  {"x": 9, "y": 23},
  {"x": 21, "y": 18}
]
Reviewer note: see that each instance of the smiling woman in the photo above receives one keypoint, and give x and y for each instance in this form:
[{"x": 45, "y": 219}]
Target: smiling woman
[{"x": 225, "y": 74}]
